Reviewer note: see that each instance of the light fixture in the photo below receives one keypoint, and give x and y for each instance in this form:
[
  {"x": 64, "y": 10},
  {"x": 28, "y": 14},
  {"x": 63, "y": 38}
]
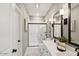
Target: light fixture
[
  {"x": 37, "y": 5},
  {"x": 50, "y": 20},
  {"x": 61, "y": 11}
]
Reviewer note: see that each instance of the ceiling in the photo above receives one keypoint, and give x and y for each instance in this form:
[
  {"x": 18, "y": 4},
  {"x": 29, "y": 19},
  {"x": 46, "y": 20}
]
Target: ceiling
[{"x": 40, "y": 11}]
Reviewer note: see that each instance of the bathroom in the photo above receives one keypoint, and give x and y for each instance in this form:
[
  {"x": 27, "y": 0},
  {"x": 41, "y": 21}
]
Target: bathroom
[{"x": 34, "y": 29}]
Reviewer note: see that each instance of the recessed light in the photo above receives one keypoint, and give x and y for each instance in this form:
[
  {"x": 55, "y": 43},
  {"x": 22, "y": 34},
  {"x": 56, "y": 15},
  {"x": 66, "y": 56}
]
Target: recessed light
[{"x": 37, "y": 5}]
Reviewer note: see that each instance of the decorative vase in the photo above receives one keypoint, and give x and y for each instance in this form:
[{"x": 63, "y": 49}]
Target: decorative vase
[{"x": 61, "y": 46}]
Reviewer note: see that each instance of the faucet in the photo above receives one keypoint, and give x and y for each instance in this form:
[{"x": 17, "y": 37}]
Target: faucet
[{"x": 77, "y": 49}]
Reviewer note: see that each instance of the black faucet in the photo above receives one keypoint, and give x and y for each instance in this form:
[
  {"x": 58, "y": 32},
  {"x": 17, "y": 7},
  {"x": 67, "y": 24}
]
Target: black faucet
[{"x": 77, "y": 51}]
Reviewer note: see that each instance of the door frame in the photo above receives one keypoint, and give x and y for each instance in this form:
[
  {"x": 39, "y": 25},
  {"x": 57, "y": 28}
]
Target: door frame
[
  {"x": 69, "y": 27},
  {"x": 61, "y": 18},
  {"x": 28, "y": 31},
  {"x": 18, "y": 10}
]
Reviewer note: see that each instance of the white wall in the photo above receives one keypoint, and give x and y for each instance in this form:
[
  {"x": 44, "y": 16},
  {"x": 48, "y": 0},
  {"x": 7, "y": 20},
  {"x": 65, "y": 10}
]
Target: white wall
[
  {"x": 24, "y": 35},
  {"x": 36, "y": 19},
  {"x": 5, "y": 28},
  {"x": 65, "y": 27}
]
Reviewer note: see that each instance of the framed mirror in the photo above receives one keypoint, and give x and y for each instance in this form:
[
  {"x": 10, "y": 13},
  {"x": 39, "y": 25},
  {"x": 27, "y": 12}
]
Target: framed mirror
[
  {"x": 57, "y": 25},
  {"x": 74, "y": 24}
]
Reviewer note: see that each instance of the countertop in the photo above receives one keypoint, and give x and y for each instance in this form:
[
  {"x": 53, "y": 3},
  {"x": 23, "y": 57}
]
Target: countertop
[{"x": 52, "y": 47}]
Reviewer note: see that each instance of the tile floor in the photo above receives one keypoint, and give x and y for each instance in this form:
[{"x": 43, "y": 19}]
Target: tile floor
[
  {"x": 37, "y": 51},
  {"x": 32, "y": 51}
]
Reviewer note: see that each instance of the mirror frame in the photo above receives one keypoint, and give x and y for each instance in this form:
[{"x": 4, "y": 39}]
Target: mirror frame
[
  {"x": 69, "y": 26},
  {"x": 57, "y": 24}
]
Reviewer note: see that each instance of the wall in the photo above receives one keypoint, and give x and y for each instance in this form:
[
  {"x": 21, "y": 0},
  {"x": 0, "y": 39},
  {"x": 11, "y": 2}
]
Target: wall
[
  {"x": 75, "y": 16},
  {"x": 24, "y": 37},
  {"x": 65, "y": 27},
  {"x": 5, "y": 35},
  {"x": 9, "y": 28},
  {"x": 55, "y": 8},
  {"x": 36, "y": 19}
]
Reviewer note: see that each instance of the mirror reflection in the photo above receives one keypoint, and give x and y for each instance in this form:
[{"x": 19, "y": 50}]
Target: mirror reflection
[{"x": 75, "y": 23}]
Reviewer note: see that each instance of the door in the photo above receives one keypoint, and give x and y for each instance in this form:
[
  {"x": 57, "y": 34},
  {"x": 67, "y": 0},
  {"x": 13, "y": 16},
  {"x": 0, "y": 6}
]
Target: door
[
  {"x": 5, "y": 46},
  {"x": 35, "y": 31}
]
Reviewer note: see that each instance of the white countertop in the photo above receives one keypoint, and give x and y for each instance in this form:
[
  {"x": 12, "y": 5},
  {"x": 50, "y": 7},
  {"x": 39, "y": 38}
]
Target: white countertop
[{"x": 53, "y": 49}]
